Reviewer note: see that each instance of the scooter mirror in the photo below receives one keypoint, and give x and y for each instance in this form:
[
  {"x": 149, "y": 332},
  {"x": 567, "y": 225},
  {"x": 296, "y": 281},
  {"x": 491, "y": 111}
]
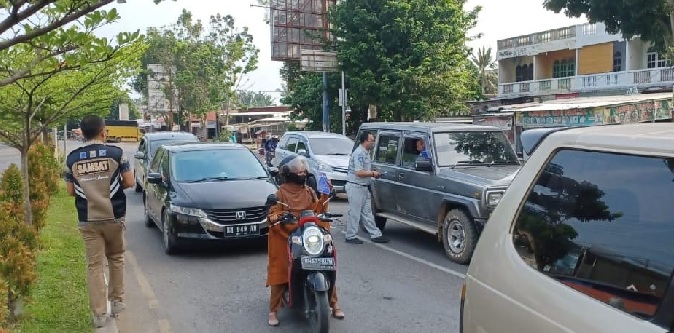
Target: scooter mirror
[{"x": 271, "y": 200}]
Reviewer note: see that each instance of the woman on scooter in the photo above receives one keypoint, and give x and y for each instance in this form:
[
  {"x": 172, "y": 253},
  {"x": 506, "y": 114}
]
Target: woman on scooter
[{"x": 297, "y": 195}]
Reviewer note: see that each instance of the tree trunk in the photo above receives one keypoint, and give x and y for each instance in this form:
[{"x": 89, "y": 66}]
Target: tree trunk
[{"x": 26, "y": 187}]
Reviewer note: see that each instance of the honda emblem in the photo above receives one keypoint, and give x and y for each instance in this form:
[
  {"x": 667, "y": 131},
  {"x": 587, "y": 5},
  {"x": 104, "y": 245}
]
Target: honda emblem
[{"x": 241, "y": 215}]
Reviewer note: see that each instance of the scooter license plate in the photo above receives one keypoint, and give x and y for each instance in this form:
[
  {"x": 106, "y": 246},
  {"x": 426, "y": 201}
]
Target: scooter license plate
[{"x": 319, "y": 264}]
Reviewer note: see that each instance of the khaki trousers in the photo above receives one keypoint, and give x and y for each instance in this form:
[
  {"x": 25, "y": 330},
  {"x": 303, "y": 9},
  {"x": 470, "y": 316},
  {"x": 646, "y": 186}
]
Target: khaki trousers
[
  {"x": 104, "y": 240},
  {"x": 277, "y": 295}
]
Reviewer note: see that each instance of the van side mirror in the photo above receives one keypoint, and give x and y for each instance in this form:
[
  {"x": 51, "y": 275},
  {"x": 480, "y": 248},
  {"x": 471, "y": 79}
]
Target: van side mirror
[
  {"x": 154, "y": 178},
  {"x": 423, "y": 164},
  {"x": 302, "y": 152},
  {"x": 139, "y": 155}
]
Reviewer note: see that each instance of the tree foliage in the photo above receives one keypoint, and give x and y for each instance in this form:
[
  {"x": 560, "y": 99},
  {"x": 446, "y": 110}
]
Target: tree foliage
[
  {"x": 409, "y": 57},
  {"x": 487, "y": 71},
  {"x": 210, "y": 61},
  {"x": 252, "y": 99},
  {"x": 649, "y": 19},
  {"x": 49, "y": 31}
]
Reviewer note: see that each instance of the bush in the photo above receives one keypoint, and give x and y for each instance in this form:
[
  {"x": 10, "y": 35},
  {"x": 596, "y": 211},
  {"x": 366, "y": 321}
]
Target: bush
[
  {"x": 43, "y": 169},
  {"x": 19, "y": 241}
]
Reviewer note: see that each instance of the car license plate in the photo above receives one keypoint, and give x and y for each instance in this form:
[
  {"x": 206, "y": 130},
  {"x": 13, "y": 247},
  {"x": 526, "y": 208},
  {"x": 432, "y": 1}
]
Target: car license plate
[
  {"x": 241, "y": 230},
  {"x": 314, "y": 263}
]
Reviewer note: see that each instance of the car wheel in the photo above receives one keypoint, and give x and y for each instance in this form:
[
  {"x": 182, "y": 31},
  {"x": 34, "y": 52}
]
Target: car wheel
[
  {"x": 148, "y": 220},
  {"x": 170, "y": 241},
  {"x": 459, "y": 236}
]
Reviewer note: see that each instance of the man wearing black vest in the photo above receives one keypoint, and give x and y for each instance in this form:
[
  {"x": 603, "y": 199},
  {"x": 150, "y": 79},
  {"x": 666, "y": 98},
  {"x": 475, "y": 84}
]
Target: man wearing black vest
[{"x": 96, "y": 175}]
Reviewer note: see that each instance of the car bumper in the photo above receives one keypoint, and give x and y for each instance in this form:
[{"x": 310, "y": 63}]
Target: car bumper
[
  {"x": 338, "y": 180},
  {"x": 188, "y": 227}
]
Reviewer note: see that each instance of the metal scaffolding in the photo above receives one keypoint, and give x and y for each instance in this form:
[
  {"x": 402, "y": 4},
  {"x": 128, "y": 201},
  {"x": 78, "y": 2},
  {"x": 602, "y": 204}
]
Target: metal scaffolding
[{"x": 298, "y": 25}]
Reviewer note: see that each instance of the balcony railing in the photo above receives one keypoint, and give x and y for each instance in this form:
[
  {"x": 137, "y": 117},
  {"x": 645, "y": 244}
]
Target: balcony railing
[
  {"x": 552, "y": 35},
  {"x": 615, "y": 80}
]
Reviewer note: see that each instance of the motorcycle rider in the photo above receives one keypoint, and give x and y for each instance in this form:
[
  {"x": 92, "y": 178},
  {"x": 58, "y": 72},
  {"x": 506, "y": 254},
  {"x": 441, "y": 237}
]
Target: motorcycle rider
[{"x": 294, "y": 193}]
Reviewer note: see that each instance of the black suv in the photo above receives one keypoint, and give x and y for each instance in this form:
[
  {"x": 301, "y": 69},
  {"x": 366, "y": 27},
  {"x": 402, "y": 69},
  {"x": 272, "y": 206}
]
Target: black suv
[{"x": 442, "y": 178}]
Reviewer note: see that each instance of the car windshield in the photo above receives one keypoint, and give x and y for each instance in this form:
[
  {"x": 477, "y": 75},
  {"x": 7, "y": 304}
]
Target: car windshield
[
  {"x": 216, "y": 165},
  {"x": 331, "y": 146},
  {"x": 154, "y": 145},
  {"x": 474, "y": 148}
]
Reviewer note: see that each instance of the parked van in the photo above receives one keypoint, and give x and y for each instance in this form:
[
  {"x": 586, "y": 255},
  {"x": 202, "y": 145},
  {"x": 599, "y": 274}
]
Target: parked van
[{"x": 582, "y": 240}]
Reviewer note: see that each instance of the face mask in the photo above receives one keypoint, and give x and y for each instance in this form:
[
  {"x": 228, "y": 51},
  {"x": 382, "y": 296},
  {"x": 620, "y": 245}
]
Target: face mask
[{"x": 296, "y": 179}]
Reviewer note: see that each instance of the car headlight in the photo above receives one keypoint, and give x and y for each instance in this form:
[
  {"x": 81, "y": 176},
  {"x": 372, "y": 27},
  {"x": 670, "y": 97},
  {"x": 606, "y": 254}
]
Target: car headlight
[
  {"x": 313, "y": 241},
  {"x": 188, "y": 211},
  {"x": 324, "y": 167},
  {"x": 492, "y": 198}
]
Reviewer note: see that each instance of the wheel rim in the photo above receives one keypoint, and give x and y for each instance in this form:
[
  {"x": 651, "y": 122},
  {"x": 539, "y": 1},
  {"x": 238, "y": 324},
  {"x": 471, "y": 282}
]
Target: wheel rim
[
  {"x": 166, "y": 231},
  {"x": 456, "y": 236}
]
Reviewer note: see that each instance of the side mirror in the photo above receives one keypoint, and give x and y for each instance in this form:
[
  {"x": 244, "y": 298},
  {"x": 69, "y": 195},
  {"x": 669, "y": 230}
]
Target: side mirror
[
  {"x": 154, "y": 178},
  {"x": 302, "y": 152},
  {"x": 422, "y": 164},
  {"x": 139, "y": 155},
  {"x": 272, "y": 199}
]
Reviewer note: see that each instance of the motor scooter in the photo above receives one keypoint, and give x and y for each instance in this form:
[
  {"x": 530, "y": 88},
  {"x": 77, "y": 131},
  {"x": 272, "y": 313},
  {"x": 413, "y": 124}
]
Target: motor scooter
[{"x": 312, "y": 265}]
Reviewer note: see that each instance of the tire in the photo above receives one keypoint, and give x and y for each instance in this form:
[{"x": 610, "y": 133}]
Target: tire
[
  {"x": 138, "y": 187},
  {"x": 319, "y": 319},
  {"x": 459, "y": 236},
  {"x": 169, "y": 239},
  {"x": 148, "y": 220}
]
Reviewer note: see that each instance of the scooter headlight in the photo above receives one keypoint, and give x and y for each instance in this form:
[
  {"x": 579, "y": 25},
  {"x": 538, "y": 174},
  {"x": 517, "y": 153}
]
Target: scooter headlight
[{"x": 313, "y": 241}]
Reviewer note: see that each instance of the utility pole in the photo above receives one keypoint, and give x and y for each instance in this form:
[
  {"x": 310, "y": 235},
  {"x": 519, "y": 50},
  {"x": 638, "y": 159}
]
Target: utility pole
[
  {"x": 326, "y": 106},
  {"x": 342, "y": 103}
]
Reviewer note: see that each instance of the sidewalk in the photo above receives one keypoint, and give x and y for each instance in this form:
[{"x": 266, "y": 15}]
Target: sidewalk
[{"x": 111, "y": 326}]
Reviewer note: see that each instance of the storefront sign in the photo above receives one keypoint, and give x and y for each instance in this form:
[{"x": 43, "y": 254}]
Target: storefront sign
[
  {"x": 573, "y": 117},
  {"x": 639, "y": 112}
]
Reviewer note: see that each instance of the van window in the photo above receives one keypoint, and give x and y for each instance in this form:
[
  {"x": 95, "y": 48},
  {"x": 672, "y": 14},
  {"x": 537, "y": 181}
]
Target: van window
[
  {"x": 284, "y": 142},
  {"x": 602, "y": 224},
  {"x": 411, "y": 145},
  {"x": 292, "y": 144},
  {"x": 387, "y": 149}
]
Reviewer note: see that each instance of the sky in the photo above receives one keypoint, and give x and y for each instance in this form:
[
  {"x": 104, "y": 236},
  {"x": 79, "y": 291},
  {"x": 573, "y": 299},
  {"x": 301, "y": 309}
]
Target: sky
[{"x": 498, "y": 19}]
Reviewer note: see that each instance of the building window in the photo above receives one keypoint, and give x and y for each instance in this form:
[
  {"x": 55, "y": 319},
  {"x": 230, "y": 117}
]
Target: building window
[
  {"x": 564, "y": 68},
  {"x": 655, "y": 60},
  {"x": 611, "y": 241},
  {"x": 524, "y": 72},
  {"x": 617, "y": 62}
]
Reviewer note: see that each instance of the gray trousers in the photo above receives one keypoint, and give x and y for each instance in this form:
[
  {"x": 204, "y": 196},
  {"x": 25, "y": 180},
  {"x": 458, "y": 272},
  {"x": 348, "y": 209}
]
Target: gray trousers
[{"x": 360, "y": 209}]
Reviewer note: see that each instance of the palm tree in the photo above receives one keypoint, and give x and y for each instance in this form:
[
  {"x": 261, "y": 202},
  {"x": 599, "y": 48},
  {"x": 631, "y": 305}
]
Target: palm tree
[{"x": 487, "y": 70}]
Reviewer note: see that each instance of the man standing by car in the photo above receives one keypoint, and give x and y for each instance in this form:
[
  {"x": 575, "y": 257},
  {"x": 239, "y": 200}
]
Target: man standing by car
[
  {"x": 96, "y": 175},
  {"x": 359, "y": 177}
]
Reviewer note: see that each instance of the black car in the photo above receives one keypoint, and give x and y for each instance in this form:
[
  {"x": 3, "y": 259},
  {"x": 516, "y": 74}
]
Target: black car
[
  {"x": 147, "y": 148},
  {"x": 207, "y": 191}
]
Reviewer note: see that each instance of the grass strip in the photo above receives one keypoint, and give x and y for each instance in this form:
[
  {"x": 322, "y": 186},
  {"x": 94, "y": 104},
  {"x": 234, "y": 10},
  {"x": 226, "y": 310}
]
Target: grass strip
[{"x": 59, "y": 300}]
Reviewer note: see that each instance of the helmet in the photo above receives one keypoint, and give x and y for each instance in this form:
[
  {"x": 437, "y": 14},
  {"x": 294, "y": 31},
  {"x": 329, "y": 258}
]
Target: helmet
[{"x": 288, "y": 165}]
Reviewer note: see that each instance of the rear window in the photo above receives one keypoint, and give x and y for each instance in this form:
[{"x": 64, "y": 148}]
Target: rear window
[{"x": 603, "y": 224}]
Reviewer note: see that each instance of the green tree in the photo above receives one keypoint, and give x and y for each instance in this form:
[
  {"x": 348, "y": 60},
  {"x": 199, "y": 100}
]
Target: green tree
[
  {"x": 45, "y": 27},
  {"x": 34, "y": 104},
  {"x": 407, "y": 57},
  {"x": 652, "y": 20},
  {"x": 252, "y": 99}
]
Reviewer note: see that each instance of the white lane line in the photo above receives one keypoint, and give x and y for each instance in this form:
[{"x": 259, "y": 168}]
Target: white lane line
[{"x": 411, "y": 257}]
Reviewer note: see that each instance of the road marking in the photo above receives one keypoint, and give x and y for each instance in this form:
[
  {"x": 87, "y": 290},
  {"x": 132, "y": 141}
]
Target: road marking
[
  {"x": 146, "y": 289},
  {"x": 411, "y": 257}
]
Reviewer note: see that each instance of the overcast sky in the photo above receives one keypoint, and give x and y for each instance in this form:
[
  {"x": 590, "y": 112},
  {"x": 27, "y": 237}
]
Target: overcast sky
[{"x": 499, "y": 20}]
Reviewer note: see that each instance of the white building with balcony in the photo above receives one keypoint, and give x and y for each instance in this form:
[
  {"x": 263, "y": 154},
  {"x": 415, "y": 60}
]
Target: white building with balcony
[{"x": 578, "y": 59}]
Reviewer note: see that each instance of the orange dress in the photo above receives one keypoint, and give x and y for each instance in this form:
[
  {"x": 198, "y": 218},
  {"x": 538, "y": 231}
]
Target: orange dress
[{"x": 299, "y": 198}]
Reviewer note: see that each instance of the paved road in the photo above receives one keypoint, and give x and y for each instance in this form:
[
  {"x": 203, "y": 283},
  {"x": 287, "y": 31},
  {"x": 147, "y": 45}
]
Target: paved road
[{"x": 405, "y": 286}]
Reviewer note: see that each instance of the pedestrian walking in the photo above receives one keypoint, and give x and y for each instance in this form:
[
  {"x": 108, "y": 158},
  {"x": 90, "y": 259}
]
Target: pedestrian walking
[
  {"x": 96, "y": 175},
  {"x": 359, "y": 177}
]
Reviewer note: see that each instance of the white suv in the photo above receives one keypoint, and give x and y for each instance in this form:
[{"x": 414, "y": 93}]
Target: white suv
[{"x": 583, "y": 239}]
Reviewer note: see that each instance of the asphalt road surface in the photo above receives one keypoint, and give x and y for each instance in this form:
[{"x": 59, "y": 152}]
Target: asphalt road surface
[{"x": 406, "y": 286}]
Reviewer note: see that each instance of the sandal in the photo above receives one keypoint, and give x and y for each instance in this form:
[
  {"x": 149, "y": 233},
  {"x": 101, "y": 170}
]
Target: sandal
[
  {"x": 273, "y": 321},
  {"x": 338, "y": 313}
]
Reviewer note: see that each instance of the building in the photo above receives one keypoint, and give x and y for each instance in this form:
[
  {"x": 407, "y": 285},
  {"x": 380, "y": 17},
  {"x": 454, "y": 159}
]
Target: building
[{"x": 578, "y": 60}]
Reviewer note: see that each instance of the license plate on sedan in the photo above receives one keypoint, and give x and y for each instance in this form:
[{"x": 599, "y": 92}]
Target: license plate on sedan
[
  {"x": 241, "y": 230},
  {"x": 314, "y": 263}
]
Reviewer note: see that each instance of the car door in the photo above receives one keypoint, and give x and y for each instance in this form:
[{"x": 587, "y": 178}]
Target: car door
[
  {"x": 140, "y": 164},
  {"x": 414, "y": 190},
  {"x": 386, "y": 154},
  {"x": 164, "y": 186},
  {"x": 291, "y": 147},
  {"x": 152, "y": 190}
]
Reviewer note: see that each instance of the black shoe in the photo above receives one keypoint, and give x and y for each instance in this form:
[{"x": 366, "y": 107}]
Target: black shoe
[
  {"x": 380, "y": 239},
  {"x": 354, "y": 241}
]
